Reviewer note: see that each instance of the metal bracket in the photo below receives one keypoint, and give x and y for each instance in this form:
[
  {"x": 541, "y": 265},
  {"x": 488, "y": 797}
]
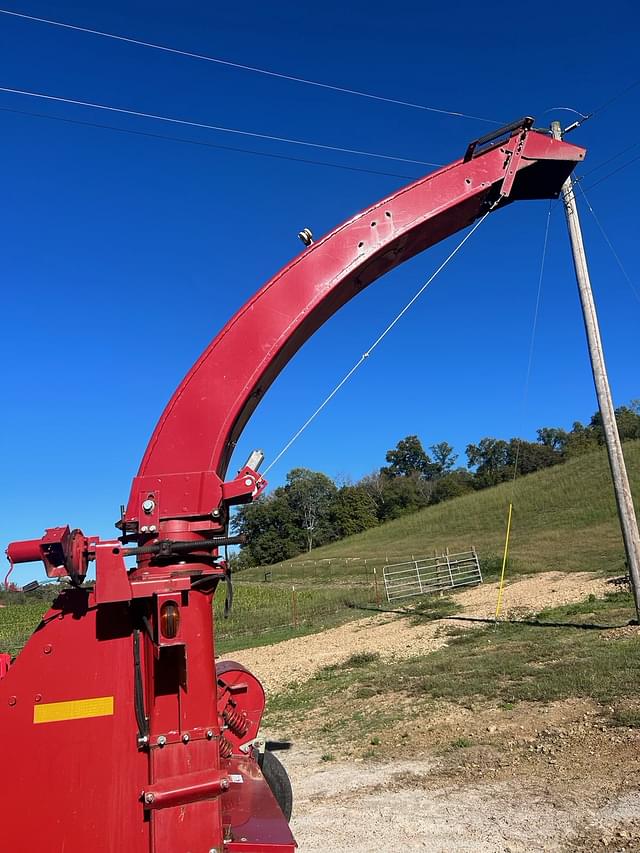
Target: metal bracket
[
  {"x": 513, "y": 165},
  {"x": 244, "y": 488},
  {"x": 493, "y": 139},
  {"x": 182, "y": 790}
]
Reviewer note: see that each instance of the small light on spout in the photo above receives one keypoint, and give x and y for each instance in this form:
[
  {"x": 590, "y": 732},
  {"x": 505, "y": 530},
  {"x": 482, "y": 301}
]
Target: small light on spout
[{"x": 255, "y": 460}]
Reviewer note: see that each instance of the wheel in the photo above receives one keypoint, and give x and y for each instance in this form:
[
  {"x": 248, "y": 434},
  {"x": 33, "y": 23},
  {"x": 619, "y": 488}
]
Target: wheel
[{"x": 279, "y": 782}]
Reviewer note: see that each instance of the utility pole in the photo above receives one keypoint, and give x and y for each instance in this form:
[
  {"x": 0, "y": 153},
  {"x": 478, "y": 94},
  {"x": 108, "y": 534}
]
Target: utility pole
[{"x": 624, "y": 499}]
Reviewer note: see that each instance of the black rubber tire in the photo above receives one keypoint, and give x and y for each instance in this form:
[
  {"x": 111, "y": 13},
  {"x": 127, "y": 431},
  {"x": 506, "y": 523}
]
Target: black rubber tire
[{"x": 279, "y": 782}]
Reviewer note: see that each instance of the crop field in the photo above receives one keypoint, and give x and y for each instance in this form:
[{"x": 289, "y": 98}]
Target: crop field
[
  {"x": 17, "y": 622},
  {"x": 260, "y": 609},
  {"x": 260, "y": 612}
]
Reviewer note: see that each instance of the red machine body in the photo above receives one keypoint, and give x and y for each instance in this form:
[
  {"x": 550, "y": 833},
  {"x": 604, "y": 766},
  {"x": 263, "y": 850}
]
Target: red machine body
[
  {"x": 121, "y": 734},
  {"x": 5, "y": 663}
]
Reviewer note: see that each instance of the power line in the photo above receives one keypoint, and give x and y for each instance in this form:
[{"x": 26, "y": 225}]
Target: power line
[
  {"x": 615, "y": 98},
  {"x": 378, "y": 340},
  {"x": 532, "y": 340},
  {"x": 610, "y": 245},
  {"x": 242, "y": 67},
  {"x": 203, "y": 144},
  {"x": 567, "y": 109},
  {"x": 607, "y": 161},
  {"x": 614, "y": 172},
  {"x": 219, "y": 128},
  {"x": 536, "y": 313},
  {"x": 599, "y": 109}
]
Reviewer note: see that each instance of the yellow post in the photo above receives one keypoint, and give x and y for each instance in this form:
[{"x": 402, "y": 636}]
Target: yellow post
[{"x": 504, "y": 561}]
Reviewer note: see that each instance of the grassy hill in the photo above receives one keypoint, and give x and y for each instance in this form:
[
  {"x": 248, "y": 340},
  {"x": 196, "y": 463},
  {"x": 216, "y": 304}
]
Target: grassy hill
[{"x": 564, "y": 518}]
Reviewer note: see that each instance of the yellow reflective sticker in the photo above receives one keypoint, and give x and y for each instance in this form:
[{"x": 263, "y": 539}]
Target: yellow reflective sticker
[{"x": 77, "y": 709}]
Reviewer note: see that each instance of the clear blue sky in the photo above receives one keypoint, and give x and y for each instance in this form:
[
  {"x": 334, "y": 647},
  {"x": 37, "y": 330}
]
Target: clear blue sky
[{"x": 123, "y": 255}]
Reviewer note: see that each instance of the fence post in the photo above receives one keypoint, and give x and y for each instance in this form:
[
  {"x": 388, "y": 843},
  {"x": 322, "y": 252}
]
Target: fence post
[
  {"x": 475, "y": 557},
  {"x": 294, "y": 606},
  {"x": 375, "y": 586},
  {"x": 449, "y": 567}
]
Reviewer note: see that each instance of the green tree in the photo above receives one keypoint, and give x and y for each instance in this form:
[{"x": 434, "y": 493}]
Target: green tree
[
  {"x": 627, "y": 420},
  {"x": 353, "y": 510},
  {"x": 553, "y": 437},
  {"x": 310, "y": 495},
  {"x": 490, "y": 458},
  {"x": 408, "y": 458},
  {"x": 443, "y": 457},
  {"x": 402, "y": 495},
  {"x": 530, "y": 456},
  {"x": 581, "y": 439},
  {"x": 272, "y": 530},
  {"x": 452, "y": 485}
]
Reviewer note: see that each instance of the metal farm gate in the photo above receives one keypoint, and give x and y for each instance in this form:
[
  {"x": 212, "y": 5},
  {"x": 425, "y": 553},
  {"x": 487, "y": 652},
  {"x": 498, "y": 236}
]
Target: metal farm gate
[{"x": 431, "y": 574}]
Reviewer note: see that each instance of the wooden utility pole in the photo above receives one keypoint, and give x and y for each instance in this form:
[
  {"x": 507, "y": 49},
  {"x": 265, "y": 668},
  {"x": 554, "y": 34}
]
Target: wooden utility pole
[{"x": 624, "y": 500}]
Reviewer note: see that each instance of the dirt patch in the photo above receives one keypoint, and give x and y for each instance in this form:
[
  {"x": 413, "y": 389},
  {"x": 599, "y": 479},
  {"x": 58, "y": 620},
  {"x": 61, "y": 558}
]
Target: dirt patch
[
  {"x": 533, "y": 594},
  {"x": 557, "y": 778},
  {"x": 619, "y": 836},
  {"x": 621, "y": 633},
  {"x": 394, "y": 636},
  {"x": 298, "y": 659},
  {"x": 398, "y": 772}
]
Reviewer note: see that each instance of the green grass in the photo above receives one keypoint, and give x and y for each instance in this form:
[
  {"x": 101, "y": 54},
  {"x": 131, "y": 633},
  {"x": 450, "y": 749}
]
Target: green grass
[
  {"x": 17, "y": 623},
  {"x": 461, "y": 743},
  {"x": 535, "y": 662},
  {"x": 266, "y": 613},
  {"x": 626, "y": 718},
  {"x": 564, "y": 518},
  {"x": 433, "y": 607},
  {"x": 248, "y": 637},
  {"x": 571, "y": 651}
]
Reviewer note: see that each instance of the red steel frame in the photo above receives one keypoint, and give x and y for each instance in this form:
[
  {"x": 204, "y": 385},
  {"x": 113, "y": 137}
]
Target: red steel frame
[{"x": 116, "y": 731}]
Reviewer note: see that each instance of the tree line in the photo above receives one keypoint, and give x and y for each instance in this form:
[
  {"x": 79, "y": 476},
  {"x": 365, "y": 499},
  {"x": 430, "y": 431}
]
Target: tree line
[{"x": 311, "y": 510}]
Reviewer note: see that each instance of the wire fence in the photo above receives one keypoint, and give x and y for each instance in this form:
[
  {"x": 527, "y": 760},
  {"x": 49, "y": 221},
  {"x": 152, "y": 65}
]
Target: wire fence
[
  {"x": 295, "y": 596},
  {"x": 330, "y": 570},
  {"x": 310, "y": 593},
  {"x": 258, "y": 609}
]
